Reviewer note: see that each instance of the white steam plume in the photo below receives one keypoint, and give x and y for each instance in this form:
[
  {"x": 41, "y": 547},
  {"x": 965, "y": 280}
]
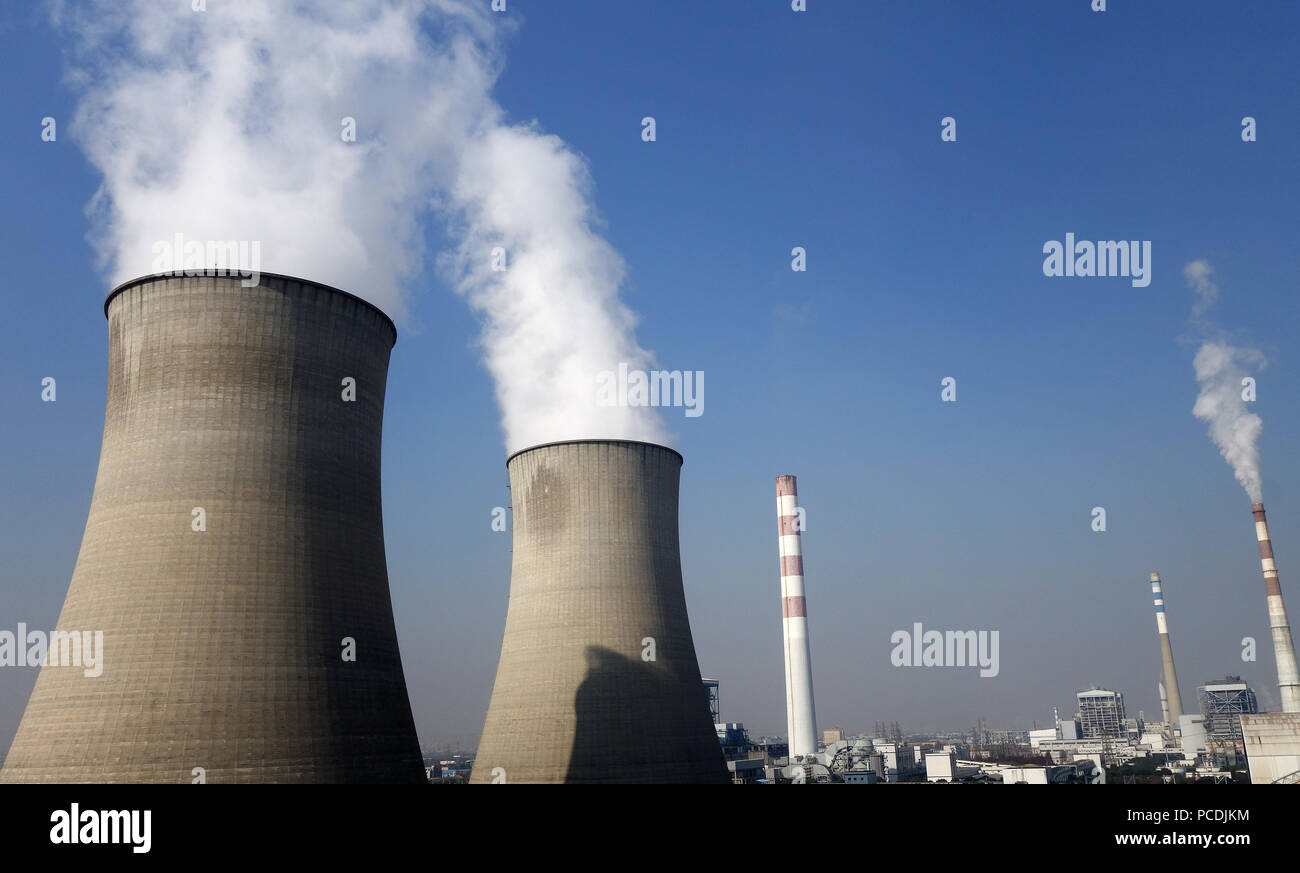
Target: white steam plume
[
  {"x": 1220, "y": 369},
  {"x": 225, "y": 125}
]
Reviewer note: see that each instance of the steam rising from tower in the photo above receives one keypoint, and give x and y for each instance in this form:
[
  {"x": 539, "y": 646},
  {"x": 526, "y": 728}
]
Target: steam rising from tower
[
  {"x": 801, "y": 719},
  {"x": 1171, "y": 700},
  {"x": 1221, "y": 402},
  {"x": 233, "y": 557},
  {"x": 598, "y": 680},
  {"x": 327, "y": 131},
  {"x": 1288, "y": 678}
]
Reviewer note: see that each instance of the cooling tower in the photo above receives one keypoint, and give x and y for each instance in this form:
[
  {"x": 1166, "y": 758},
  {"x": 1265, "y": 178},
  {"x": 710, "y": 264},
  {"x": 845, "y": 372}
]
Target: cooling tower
[
  {"x": 1288, "y": 678},
  {"x": 233, "y": 549},
  {"x": 801, "y": 720},
  {"x": 597, "y": 680},
  {"x": 1173, "y": 699}
]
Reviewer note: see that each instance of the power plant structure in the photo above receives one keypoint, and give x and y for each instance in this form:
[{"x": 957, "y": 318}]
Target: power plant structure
[
  {"x": 598, "y": 680},
  {"x": 1172, "y": 701},
  {"x": 801, "y": 719},
  {"x": 1288, "y": 678},
  {"x": 233, "y": 557}
]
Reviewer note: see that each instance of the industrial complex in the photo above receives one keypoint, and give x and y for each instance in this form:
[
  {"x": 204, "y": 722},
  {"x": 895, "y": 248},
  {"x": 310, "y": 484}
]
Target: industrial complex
[{"x": 234, "y": 556}]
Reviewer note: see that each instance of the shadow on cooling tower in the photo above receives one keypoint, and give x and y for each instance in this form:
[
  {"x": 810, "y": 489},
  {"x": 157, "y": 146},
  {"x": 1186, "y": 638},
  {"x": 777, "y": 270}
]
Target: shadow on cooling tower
[
  {"x": 595, "y": 587},
  {"x": 619, "y": 705}
]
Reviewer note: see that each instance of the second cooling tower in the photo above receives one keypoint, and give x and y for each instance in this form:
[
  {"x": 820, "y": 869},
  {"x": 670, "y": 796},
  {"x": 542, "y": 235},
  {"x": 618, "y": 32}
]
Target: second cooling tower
[
  {"x": 598, "y": 679},
  {"x": 233, "y": 559}
]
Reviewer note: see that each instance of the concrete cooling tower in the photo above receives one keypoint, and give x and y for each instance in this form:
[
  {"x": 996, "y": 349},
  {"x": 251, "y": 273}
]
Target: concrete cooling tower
[
  {"x": 233, "y": 558},
  {"x": 597, "y": 680}
]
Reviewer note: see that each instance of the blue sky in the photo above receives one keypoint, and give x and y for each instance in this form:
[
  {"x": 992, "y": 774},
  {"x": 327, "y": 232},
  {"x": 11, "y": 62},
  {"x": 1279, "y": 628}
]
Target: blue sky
[{"x": 821, "y": 130}]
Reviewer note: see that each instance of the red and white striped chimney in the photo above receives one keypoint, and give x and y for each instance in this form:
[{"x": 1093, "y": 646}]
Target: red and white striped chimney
[
  {"x": 801, "y": 720},
  {"x": 1288, "y": 678}
]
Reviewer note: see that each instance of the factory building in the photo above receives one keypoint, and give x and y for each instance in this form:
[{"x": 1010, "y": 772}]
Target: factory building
[
  {"x": 1222, "y": 706},
  {"x": 233, "y": 557},
  {"x": 1101, "y": 713},
  {"x": 597, "y": 679},
  {"x": 1080, "y": 772},
  {"x": 1272, "y": 742},
  {"x": 735, "y": 741},
  {"x": 1191, "y": 731},
  {"x": 941, "y": 767},
  {"x": 713, "y": 695},
  {"x": 898, "y": 761}
]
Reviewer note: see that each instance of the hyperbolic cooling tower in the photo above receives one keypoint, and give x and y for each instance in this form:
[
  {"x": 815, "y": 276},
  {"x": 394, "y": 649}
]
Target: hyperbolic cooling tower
[
  {"x": 1174, "y": 700},
  {"x": 801, "y": 719},
  {"x": 1288, "y": 678},
  {"x": 597, "y": 680},
  {"x": 223, "y": 648}
]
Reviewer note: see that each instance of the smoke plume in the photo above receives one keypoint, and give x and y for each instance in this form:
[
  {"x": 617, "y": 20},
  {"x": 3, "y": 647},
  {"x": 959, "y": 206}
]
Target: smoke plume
[
  {"x": 1221, "y": 403},
  {"x": 231, "y": 124}
]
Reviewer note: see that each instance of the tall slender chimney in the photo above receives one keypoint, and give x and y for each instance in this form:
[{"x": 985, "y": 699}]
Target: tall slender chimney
[
  {"x": 1164, "y": 702},
  {"x": 801, "y": 719},
  {"x": 1175, "y": 700},
  {"x": 1288, "y": 678}
]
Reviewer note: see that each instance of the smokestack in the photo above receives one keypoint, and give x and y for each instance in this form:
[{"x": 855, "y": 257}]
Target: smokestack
[
  {"x": 233, "y": 557},
  {"x": 1288, "y": 679},
  {"x": 1173, "y": 700},
  {"x": 597, "y": 680},
  {"x": 801, "y": 719},
  {"x": 1164, "y": 702}
]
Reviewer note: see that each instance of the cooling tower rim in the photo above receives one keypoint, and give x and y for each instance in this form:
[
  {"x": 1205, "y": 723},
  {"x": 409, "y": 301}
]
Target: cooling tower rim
[
  {"x": 180, "y": 274},
  {"x": 595, "y": 441}
]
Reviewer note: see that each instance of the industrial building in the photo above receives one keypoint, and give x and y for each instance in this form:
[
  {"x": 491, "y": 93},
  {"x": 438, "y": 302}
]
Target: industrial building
[
  {"x": 1222, "y": 706},
  {"x": 233, "y": 556},
  {"x": 1272, "y": 743},
  {"x": 898, "y": 761},
  {"x": 1191, "y": 735},
  {"x": 941, "y": 767},
  {"x": 1101, "y": 713},
  {"x": 597, "y": 679},
  {"x": 735, "y": 741},
  {"x": 1084, "y": 771},
  {"x": 712, "y": 693}
]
